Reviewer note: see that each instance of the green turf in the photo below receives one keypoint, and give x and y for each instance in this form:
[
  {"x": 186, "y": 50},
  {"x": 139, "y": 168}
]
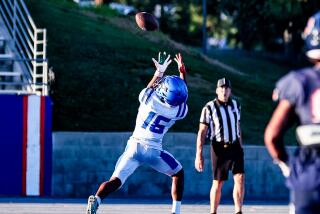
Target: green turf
[{"x": 102, "y": 61}]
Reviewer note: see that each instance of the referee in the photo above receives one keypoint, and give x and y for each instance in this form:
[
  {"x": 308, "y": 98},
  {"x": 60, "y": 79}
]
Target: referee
[{"x": 220, "y": 122}]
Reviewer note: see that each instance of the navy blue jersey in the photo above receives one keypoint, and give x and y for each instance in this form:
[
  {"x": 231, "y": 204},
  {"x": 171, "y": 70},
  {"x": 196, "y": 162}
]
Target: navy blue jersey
[{"x": 302, "y": 89}]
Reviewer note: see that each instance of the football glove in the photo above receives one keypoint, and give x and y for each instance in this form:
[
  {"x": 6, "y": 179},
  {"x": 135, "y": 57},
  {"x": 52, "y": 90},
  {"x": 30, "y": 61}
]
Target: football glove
[
  {"x": 161, "y": 64},
  {"x": 181, "y": 67}
]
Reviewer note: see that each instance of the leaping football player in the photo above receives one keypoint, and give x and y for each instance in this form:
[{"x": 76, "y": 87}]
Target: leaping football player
[{"x": 162, "y": 103}]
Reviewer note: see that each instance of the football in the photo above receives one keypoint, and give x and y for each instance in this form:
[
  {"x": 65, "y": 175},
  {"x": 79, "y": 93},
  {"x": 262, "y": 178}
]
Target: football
[{"x": 147, "y": 21}]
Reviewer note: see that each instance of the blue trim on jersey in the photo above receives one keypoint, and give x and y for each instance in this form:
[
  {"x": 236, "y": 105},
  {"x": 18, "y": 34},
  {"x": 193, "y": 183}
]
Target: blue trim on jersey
[
  {"x": 145, "y": 94},
  {"x": 179, "y": 110},
  {"x": 184, "y": 109},
  {"x": 148, "y": 98},
  {"x": 169, "y": 160}
]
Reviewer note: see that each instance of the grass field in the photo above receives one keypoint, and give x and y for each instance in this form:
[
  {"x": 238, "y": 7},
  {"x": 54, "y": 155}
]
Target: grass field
[{"x": 102, "y": 61}]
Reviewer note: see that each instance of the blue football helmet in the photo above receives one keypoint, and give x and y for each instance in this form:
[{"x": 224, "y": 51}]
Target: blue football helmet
[
  {"x": 172, "y": 90},
  {"x": 312, "y": 37}
]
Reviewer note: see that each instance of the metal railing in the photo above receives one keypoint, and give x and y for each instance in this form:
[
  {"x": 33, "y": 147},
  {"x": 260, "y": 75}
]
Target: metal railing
[{"x": 29, "y": 44}]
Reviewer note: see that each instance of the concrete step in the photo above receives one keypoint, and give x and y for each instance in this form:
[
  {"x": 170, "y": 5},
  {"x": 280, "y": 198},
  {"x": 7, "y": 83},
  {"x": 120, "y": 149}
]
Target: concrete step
[
  {"x": 14, "y": 91},
  {"x": 9, "y": 73},
  {"x": 6, "y": 57},
  {"x": 4, "y": 86},
  {"x": 6, "y": 66},
  {"x": 2, "y": 41},
  {"x": 3, "y": 83},
  {"x": 2, "y": 45}
]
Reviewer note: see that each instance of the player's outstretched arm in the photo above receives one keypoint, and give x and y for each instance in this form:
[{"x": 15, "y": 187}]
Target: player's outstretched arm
[
  {"x": 161, "y": 66},
  {"x": 181, "y": 68}
]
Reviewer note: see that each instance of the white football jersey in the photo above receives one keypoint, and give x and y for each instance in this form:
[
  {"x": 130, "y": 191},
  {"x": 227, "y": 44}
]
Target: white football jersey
[{"x": 155, "y": 118}]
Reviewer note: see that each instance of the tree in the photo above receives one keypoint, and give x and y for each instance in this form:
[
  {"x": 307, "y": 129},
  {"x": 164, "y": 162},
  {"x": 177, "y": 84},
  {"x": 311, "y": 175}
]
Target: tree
[{"x": 253, "y": 24}]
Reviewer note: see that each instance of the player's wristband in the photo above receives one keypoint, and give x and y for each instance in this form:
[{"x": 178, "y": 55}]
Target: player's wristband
[{"x": 182, "y": 69}]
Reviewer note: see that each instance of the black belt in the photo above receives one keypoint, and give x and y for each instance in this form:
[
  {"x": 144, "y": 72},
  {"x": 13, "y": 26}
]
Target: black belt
[{"x": 225, "y": 144}]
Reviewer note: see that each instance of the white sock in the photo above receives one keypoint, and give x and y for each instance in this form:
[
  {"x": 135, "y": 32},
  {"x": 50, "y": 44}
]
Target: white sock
[
  {"x": 176, "y": 207},
  {"x": 98, "y": 199}
]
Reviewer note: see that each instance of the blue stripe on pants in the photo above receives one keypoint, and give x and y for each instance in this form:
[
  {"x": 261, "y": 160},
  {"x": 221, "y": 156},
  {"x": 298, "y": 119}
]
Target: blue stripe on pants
[{"x": 169, "y": 160}]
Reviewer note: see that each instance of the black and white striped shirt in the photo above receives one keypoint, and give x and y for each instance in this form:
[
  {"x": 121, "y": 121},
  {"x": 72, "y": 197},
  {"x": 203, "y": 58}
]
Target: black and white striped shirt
[{"x": 222, "y": 119}]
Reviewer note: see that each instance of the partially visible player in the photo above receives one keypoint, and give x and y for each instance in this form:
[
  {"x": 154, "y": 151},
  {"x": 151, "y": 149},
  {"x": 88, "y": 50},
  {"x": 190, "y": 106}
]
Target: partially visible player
[
  {"x": 162, "y": 103},
  {"x": 298, "y": 93}
]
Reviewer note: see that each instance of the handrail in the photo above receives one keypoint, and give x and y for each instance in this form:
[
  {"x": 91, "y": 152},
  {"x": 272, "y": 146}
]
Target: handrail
[{"x": 27, "y": 39}]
